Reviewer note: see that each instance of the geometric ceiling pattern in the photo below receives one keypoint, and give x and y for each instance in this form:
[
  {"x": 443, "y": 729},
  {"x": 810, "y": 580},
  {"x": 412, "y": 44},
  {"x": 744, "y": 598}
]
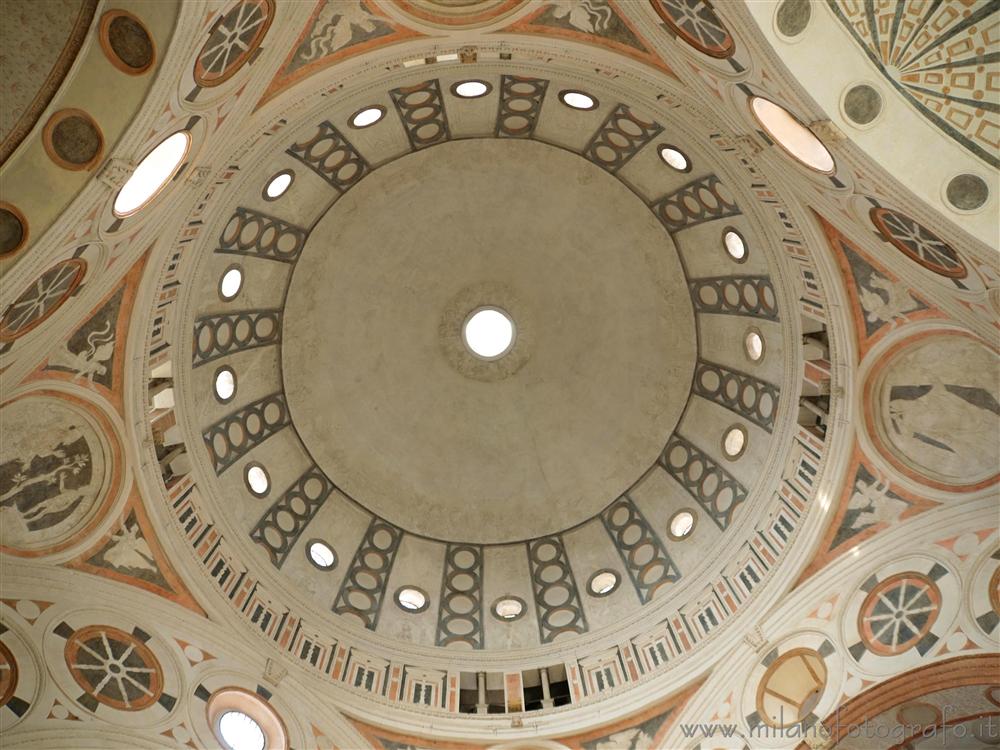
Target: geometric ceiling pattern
[
  {"x": 732, "y": 475},
  {"x": 934, "y": 54}
]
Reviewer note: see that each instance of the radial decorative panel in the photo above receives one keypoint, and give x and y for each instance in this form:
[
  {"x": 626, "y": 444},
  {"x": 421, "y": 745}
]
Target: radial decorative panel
[
  {"x": 621, "y": 136},
  {"x": 556, "y": 596},
  {"x": 743, "y": 394},
  {"x": 919, "y": 243},
  {"x": 642, "y": 552},
  {"x": 704, "y": 199},
  {"x": 218, "y": 335},
  {"x": 235, "y": 435},
  {"x": 421, "y": 108},
  {"x": 113, "y": 667},
  {"x": 363, "y": 589},
  {"x": 935, "y": 54},
  {"x": 330, "y": 155},
  {"x": 520, "y": 104},
  {"x": 41, "y": 299},
  {"x": 715, "y": 489},
  {"x": 460, "y": 616},
  {"x": 898, "y": 613},
  {"x": 697, "y": 24},
  {"x": 283, "y": 523},
  {"x": 233, "y": 41},
  {"x": 256, "y": 234},
  {"x": 735, "y": 295}
]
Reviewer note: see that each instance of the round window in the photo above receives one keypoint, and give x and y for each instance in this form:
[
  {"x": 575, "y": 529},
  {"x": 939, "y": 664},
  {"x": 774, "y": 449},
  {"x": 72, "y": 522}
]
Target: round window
[
  {"x": 367, "y": 117},
  {"x": 603, "y": 582}
]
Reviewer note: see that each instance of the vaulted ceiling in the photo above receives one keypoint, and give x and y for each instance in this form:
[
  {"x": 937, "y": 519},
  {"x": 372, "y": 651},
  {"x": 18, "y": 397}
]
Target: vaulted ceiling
[{"x": 732, "y": 471}]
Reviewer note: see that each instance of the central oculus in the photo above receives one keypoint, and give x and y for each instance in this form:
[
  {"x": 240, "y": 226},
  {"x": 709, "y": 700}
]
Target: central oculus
[
  {"x": 489, "y": 333},
  {"x": 488, "y": 340}
]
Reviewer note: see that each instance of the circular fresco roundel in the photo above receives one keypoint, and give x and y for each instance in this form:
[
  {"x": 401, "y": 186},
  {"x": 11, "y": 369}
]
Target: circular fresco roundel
[
  {"x": 114, "y": 667},
  {"x": 697, "y": 23},
  {"x": 934, "y": 404},
  {"x": 55, "y": 472},
  {"x": 898, "y": 613},
  {"x": 919, "y": 243},
  {"x": 233, "y": 41},
  {"x": 994, "y": 590},
  {"x": 8, "y": 674},
  {"x": 41, "y": 299}
]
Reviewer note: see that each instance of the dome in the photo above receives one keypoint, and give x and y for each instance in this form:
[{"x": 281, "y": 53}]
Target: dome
[{"x": 559, "y": 372}]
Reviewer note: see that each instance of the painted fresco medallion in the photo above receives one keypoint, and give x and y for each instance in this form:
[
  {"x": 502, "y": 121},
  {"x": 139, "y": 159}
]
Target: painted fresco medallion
[
  {"x": 41, "y": 299},
  {"x": 919, "y": 243},
  {"x": 19, "y": 676},
  {"x": 13, "y": 229},
  {"x": 114, "y": 667},
  {"x": 54, "y": 473},
  {"x": 697, "y": 23},
  {"x": 898, "y": 613},
  {"x": 994, "y": 590},
  {"x": 8, "y": 674},
  {"x": 933, "y": 406},
  {"x": 232, "y": 41}
]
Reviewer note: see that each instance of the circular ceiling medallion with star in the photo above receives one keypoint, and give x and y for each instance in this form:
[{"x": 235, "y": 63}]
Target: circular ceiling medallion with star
[
  {"x": 919, "y": 243},
  {"x": 41, "y": 299},
  {"x": 114, "y": 667},
  {"x": 898, "y": 613}
]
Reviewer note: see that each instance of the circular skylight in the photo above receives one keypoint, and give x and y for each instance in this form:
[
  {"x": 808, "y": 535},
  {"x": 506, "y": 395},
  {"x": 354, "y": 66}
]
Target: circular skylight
[
  {"x": 753, "y": 344},
  {"x": 225, "y": 384},
  {"x": 367, "y": 116},
  {"x": 681, "y": 524},
  {"x": 240, "y": 732},
  {"x": 734, "y": 442},
  {"x": 153, "y": 172},
  {"x": 508, "y": 608},
  {"x": 735, "y": 245},
  {"x": 489, "y": 333},
  {"x": 257, "y": 479},
  {"x": 798, "y": 140},
  {"x": 603, "y": 582},
  {"x": 471, "y": 89},
  {"x": 674, "y": 157},
  {"x": 411, "y": 599},
  {"x": 278, "y": 185},
  {"x": 231, "y": 283},
  {"x": 578, "y": 100},
  {"x": 322, "y": 555}
]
